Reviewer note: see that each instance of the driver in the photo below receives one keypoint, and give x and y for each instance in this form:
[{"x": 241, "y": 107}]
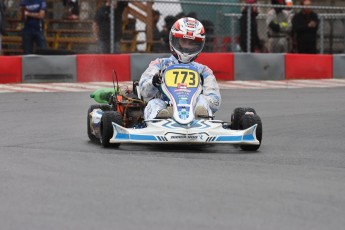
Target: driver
[{"x": 186, "y": 39}]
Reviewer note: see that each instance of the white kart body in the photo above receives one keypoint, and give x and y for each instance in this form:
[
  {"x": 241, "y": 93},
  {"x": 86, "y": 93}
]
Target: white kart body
[{"x": 167, "y": 131}]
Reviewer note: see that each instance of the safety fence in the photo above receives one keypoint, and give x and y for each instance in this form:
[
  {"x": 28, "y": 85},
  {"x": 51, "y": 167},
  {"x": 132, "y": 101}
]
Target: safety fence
[
  {"x": 330, "y": 30},
  {"x": 222, "y": 20}
]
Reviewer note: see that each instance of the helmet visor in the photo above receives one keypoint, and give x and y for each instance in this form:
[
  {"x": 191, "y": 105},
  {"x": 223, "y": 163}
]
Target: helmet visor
[{"x": 187, "y": 46}]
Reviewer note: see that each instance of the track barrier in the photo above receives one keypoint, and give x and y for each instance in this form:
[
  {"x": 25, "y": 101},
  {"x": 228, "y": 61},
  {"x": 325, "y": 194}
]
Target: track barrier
[
  {"x": 92, "y": 68},
  {"x": 226, "y": 67},
  {"x": 304, "y": 66},
  {"x": 10, "y": 69}
]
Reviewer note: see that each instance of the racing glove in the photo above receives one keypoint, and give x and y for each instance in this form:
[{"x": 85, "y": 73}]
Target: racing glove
[
  {"x": 284, "y": 25},
  {"x": 157, "y": 80},
  {"x": 274, "y": 26}
]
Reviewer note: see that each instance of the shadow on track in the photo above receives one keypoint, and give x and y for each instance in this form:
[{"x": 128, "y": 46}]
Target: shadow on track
[{"x": 173, "y": 150}]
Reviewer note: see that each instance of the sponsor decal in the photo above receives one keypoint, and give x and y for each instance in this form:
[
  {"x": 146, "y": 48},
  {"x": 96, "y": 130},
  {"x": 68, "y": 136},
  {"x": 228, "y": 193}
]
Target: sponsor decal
[
  {"x": 186, "y": 91},
  {"x": 184, "y": 137},
  {"x": 188, "y": 36},
  {"x": 32, "y": 7},
  {"x": 190, "y": 137},
  {"x": 182, "y": 86}
]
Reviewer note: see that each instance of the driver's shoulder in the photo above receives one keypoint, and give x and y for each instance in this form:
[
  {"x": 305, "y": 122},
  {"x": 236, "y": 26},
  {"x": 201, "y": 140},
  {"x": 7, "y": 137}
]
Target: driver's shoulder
[{"x": 200, "y": 67}]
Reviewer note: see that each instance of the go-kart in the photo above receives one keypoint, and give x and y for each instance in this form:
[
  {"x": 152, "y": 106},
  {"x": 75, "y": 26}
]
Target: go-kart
[{"x": 118, "y": 118}]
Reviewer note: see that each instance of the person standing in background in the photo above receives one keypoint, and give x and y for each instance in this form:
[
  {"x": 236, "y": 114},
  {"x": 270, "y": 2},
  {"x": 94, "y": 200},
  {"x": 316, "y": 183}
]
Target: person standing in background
[
  {"x": 73, "y": 9},
  {"x": 169, "y": 22},
  {"x": 33, "y": 13},
  {"x": 255, "y": 44},
  {"x": 279, "y": 27},
  {"x": 157, "y": 39},
  {"x": 304, "y": 26},
  {"x": 101, "y": 25}
]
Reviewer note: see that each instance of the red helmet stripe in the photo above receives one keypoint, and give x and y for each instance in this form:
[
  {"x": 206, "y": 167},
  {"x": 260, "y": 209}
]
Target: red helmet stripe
[
  {"x": 179, "y": 35},
  {"x": 177, "y": 25}
]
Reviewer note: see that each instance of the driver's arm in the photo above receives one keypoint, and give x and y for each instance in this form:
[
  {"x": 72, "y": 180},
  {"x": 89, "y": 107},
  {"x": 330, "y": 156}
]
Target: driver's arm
[
  {"x": 39, "y": 15},
  {"x": 147, "y": 89},
  {"x": 211, "y": 89}
]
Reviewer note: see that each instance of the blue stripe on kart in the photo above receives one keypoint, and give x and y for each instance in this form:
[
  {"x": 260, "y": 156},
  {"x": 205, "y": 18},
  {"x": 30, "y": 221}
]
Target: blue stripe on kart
[
  {"x": 122, "y": 136},
  {"x": 249, "y": 137},
  {"x": 143, "y": 137},
  {"x": 136, "y": 137},
  {"x": 229, "y": 138}
]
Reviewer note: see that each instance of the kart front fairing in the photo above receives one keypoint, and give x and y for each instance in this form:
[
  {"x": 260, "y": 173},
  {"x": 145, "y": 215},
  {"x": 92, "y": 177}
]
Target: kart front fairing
[
  {"x": 202, "y": 131},
  {"x": 182, "y": 84}
]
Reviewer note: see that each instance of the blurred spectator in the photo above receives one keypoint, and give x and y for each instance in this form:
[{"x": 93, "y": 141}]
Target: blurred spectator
[
  {"x": 192, "y": 15},
  {"x": 289, "y": 9},
  {"x": 304, "y": 26},
  {"x": 289, "y": 3},
  {"x": 255, "y": 44},
  {"x": 209, "y": 29},
  {"x": 157, "y": 39},
  {"x": 33, "y": 13},
  {"x": 169, "y": 22},
  {"x": 279, "y": 27},
  {"x": 2, "y": 21},
  {"x": 101, "y": 25},
  {"x": 73, "y": 9},
  {"x": 180, "y": 15}
]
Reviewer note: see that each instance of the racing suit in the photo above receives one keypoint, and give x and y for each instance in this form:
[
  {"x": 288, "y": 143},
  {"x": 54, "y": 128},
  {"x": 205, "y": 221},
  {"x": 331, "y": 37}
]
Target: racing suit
[
  {"x": 210, "y": 97},
  {"x": 279, "y": 28}
]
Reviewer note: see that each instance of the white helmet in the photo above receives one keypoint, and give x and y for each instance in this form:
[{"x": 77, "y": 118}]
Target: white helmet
[{"x": 187, "y": 39}]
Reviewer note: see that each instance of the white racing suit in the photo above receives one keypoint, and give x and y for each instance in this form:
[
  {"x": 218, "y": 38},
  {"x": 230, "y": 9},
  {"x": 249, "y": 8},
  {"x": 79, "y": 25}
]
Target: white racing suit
[
  {"x": 210, "y": 97},
  {"x": 279, "y": 41}
]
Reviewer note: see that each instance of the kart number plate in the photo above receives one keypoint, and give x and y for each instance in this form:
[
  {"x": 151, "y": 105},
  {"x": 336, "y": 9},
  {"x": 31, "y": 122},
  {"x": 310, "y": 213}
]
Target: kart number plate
[{"x": 182, "y": 77}]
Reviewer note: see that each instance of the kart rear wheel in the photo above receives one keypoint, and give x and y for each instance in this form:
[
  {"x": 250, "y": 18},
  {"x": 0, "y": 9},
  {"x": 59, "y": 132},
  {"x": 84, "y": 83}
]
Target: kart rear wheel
[
  {"x": 92, "y": 137},
  {"x": 247, "y": 121},
  {"x": 107, "y": 131},
  {"x": 236, "y": 116}
]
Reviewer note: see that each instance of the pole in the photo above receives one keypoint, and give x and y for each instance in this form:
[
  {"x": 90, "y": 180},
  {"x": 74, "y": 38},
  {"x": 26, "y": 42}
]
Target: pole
[
  {"x": 322, "y": 34},
  {"x": 112, "y": 26},
  {"x": 249, "y": 17}
]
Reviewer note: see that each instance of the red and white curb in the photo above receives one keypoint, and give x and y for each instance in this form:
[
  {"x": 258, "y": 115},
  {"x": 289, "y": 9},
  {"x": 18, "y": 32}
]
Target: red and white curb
[{"x": 92, "y": 86}]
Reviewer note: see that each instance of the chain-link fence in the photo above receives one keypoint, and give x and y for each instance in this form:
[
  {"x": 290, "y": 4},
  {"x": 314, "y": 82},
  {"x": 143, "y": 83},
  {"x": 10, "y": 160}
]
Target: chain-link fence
[
  {"x": 292, "y": 27},
  {"x": 145, "y": 26}
]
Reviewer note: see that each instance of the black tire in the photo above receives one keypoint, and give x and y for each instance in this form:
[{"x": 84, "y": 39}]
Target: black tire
[
  {"x": 107, "y": 131},
  {"x": 247, "y": 121},
  {"x": 237, "y": 116},
  {"x": 105, "y": 107},
  {"x": 92, "y": 137}
]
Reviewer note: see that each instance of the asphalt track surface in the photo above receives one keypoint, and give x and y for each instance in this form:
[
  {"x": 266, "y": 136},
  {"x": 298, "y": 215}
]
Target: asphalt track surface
[{"x": 52, "y": 177}]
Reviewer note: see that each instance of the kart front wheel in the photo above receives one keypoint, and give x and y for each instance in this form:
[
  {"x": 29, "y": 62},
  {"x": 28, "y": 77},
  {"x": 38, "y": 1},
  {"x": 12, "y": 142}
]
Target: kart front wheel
[
  {"x": 107, "y": 131},
  {"x": 247, "y": 121},
  {"x": 236, "y": 116}
]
